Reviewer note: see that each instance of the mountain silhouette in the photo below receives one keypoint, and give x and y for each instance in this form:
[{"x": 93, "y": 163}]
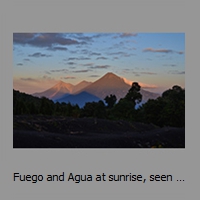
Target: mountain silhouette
[{"x": 80, "y": 99}]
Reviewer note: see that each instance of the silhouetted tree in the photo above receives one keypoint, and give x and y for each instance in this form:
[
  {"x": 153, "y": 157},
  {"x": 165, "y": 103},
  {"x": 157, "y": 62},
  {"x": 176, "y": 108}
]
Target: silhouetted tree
[
  {"x": 124, "y": 109},
  {"x": 133, "y": 94},
  {"x": 47, "y": 106},
  {"x": 110, "y": 100},
  {"x": 174, "y": 110},
  {"x": 76, "y": 111},
  {"x": 169, "y": 109},
  {"x": 152, "y": 111},
  {"x": 58, "y": 109},
  {"x": 32, "y": 108},
  {"x": 94, "y": 109}
]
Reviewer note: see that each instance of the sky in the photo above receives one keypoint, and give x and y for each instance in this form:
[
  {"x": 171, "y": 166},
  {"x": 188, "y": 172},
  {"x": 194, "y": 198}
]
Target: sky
[{"x": 155, "y": 60}]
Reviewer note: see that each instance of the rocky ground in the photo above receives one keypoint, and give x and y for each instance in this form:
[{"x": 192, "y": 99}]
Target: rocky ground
[{"x": 66, "y": 132}]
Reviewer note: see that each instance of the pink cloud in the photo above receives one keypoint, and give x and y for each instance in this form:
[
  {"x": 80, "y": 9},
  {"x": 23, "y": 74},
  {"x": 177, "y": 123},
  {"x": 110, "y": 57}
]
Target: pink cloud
[
  {"x": 157, "y": 50},
  {"x": 143, "y": 85}
]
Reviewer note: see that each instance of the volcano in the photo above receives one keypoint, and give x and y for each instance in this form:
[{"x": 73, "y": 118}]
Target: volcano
[
  {"x": 61, "y": 89},
  {"x": 108, "y": 84},
  {"x": 56, "y": 91}
]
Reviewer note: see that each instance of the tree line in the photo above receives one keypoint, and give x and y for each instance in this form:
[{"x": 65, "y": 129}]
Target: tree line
[{"x": 166, "y": 110}]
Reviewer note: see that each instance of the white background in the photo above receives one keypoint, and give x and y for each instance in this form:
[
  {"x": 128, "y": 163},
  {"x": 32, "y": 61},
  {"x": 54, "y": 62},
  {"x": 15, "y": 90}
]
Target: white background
[{"x": 100, "y": 16}]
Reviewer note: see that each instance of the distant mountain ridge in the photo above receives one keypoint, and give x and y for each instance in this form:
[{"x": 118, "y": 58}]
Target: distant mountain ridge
[
  {"x": 60, "y": 89},
  {"x": 108, "y": 84},
  {"x": 79, "y": 99}
]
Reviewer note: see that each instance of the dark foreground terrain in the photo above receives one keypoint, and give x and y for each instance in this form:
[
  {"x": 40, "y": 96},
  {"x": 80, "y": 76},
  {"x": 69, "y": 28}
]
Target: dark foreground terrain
[{"x": 66, "y": 132}]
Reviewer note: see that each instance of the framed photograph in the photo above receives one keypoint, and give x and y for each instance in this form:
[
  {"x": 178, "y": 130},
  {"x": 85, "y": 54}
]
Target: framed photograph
[{"x": 99, "y": 90}]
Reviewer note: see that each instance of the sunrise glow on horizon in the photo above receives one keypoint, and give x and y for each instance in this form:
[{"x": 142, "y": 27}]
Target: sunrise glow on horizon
[{"x": 40, "y": 60}]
